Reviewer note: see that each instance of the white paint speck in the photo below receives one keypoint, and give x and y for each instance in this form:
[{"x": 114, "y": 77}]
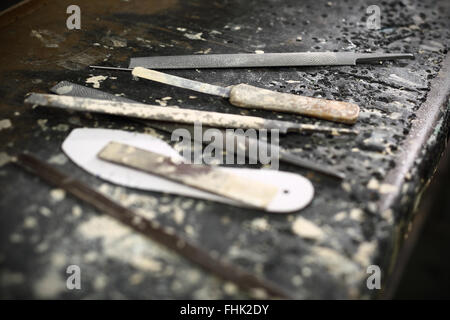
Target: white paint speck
[
  {"x": 119, "y": 43},
  {"x": 306, "y": 272},
  {"x": 5, "y": 158},
  {"x": 340, "y": 216},
  {"x": 46, "y": 212},
  {"x": 356, "y": 214},
  {"x": 364, "y": 253},
  {"x": 16, "y": 238},
  {"x": 196, "y": 36},
  {"x": 388, "y": 215},
  {"x": 30, "y": 223},
  {"x": 297, "y": 280},
  {"x": 49, "y": 285},
  {"x": 59, "y": 159},
  {"x": 136, "y": 278},
  {"x": 161, "y": 102},
  {"x": 76, "y": 211},
  {"x": 178, "y": 216},
  {"x": 346, "y": 186},
  {"x": 100, "y": 282},
  {"x": 387, "y": 188},
  {"x": 373, "y": 184},
  {"x": 61, "y": 127},
  {"x": 5, "y": 124},
  {"x": 95, "y": 80},
  {"x": 43, "y": 124},
  {"x": 307, "y": 229},
  {"x": 260, "y": 224},
  {"x": 57, "y": 194},
  {"x": 230, "y": 288}
]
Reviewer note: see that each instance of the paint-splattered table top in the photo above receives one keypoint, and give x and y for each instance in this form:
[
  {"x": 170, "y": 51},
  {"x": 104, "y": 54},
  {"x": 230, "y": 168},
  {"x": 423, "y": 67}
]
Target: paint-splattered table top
[{"x": 322, "y": 251}]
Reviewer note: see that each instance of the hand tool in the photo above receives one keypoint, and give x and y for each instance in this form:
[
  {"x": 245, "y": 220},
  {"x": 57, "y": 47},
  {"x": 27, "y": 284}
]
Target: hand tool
[
  {"x": 76, "y": 90},
  {"x": 83, "y": 144},
  {"x": 173, "y": 114},
  {"x": 151, "y": 229},
  {"x": 247, "y": 96},
  {"x": 250, "y": 60},
  {"x": 203, "y": 177},
  {"x": 249, "y": 143}
]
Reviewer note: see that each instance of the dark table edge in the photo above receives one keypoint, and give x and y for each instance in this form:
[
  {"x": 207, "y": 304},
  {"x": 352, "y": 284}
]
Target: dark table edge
[{"x": 428, "y": 116}]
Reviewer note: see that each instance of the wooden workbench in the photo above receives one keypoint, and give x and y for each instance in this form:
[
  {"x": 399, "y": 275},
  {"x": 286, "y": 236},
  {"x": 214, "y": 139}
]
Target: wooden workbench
[{"x": 363, "y": 220}]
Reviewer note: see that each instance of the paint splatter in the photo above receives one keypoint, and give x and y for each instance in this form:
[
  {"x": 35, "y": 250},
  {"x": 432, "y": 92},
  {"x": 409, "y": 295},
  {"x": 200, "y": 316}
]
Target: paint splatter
[
  {"x": 260, "y": 224},
  {"x": 5, "y": 158},
  {"x": 196, "y": 36},
  {"x": 95, "y": 80},
  {"x": 57, "y": 195},
  {"x": 307, "y": 229},
  {"x": 5, "y": 124}
]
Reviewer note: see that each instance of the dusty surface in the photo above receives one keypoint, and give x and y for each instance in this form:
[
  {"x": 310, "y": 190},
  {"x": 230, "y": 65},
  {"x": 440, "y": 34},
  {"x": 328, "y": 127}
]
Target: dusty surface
[{"x": 322, "y": 251}]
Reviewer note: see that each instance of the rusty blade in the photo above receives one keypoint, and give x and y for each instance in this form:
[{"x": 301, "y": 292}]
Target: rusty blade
[
  {"x": 203, "y": 177},
  {"x": 153, "y": 230}
]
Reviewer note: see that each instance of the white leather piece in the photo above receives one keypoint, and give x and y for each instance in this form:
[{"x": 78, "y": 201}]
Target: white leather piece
[{"x": 82, "y": 146}]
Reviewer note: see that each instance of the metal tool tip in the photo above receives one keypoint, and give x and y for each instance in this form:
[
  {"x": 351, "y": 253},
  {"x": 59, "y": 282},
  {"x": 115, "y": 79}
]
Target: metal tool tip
[
  {"x": 110, "y": 68},
  {"x": 373, "y": 57}
]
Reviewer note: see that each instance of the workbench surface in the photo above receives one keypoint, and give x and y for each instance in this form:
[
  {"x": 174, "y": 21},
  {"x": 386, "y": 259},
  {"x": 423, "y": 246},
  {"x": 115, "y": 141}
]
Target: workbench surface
[{"x": 322, "y": 251}]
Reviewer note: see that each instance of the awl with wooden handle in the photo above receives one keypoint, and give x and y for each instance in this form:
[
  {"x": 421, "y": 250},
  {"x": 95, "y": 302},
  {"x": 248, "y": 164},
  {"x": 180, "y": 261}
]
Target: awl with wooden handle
[
  {"x": 173, "y": 114},
  {"x": 247, "y": 96}
]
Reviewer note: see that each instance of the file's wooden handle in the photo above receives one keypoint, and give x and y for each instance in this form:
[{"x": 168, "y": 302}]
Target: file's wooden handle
[{"x": 246, "y": 96}]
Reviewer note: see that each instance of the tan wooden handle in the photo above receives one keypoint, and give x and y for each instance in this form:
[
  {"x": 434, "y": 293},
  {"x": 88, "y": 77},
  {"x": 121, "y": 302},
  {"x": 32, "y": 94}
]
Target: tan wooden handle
[{"x": 246, "y": 96}]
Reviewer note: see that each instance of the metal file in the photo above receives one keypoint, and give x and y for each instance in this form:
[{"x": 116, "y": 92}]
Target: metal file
[{"x": 250, "y": 60}]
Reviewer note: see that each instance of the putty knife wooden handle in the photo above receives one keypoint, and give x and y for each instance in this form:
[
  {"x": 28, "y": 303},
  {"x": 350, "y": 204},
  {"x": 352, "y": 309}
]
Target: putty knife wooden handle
[
  {"x": 243, "y": 95},
  {"x": 246, "y": 96}
]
